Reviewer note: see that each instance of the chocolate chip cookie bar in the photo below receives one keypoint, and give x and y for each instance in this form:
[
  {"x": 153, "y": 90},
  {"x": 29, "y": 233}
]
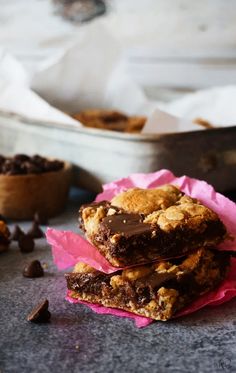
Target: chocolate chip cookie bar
[
  {"x": 143, "y": 225},
  {"x": 111, "y": 120},
  {"x": 156, "y": 290}
]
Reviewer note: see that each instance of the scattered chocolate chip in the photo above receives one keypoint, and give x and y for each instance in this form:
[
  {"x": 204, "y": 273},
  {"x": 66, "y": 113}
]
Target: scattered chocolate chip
[
  {"x": 40, "y": 313},
  {"x": 26, "y": 243},
  {"x": 35, "y": 231},
  {"x": 16, "y": 233},
  {"x": 2, "y": 218},
  {"x": 33, "y": 269},
  {"x": 40, "y": 219}
]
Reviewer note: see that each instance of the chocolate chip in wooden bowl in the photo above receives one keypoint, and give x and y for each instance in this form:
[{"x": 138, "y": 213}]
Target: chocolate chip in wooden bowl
[
  {"x": 16, "y": 233},
  {"x": 11, "y": 168},
  {"x": 52, "y": 165},
  {"x": 35, "y": 231},
  {"x": 26, "y": 243},
  {"x": 21, "y": 157},
  {"x": 32, "y": 168},
  {"x": 40, "y": 313},
  {"x": 40, "y": 219},
  {"x": 33, "y": 269}
]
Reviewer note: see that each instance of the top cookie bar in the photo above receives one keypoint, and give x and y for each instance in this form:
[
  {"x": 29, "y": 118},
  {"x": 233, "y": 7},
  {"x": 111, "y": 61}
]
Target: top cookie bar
[{"x": 143, "y": 225}]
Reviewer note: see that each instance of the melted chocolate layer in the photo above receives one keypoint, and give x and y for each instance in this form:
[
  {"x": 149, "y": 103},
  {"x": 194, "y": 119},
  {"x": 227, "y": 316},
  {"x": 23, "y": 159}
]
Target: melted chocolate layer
[
  {"x": 189, "y": 279},
  {"x": 126, "y": 224}
]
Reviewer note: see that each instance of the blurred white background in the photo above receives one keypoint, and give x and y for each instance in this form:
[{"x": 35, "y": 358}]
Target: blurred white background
[{"x": 169, "y": 45}]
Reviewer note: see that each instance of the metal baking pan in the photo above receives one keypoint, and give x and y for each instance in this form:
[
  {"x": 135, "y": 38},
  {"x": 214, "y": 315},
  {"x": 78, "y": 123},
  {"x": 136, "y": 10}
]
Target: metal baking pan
[{"x": 102, "y": 156}]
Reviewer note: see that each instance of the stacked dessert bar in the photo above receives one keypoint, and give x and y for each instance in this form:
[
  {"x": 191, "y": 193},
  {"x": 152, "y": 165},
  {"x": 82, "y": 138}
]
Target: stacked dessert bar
[{"x": 163, "y": 244}]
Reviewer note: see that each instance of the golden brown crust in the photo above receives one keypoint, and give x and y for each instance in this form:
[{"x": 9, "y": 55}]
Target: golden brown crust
[
  {"x": 83, "y": 268},
  {"x": 185, "y": 211},
  {"x": 142, "y": 225},
  {"x": 145, "y": 201}
]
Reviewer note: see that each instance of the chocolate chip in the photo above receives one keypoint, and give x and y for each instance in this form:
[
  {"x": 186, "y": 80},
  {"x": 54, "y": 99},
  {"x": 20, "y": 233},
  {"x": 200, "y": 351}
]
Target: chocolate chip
[
  {"x": 32, "y": 168},
  {"x": 2, "y": 218},
  {"x": 40, "y": 313},
  {"x": 10, "y": 168},
  {"x": 21, "y": 157},
  {"x": 17, "y": 233},
  {"x": 52, "y": 165},
  {"x": 23, "y": 164},
  {"x": 37, "y": 159},
  {"x": 35, "y": 231},
  {"x": 40, "y": 218},
  {"x": 2, "y": 159},
  {"x": 33, "y": 269},
  {"x": 26, "y": 243}
]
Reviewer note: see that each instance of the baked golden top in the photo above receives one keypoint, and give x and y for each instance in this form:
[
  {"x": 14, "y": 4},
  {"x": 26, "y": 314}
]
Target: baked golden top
[
  {"x": 145, "y": 201},
  {"x": 140, "y": 225}
]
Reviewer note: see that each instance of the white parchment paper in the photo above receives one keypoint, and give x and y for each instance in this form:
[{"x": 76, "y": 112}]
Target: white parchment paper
[{"x": 90, "y": 73}]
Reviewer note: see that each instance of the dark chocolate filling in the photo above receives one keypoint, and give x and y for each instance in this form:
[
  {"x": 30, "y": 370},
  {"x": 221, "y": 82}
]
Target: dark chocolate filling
[
  {"x": 141, "y": 242},
  {"x": 144, "y": 289},
  {"x": 138, "y": 242},
  {"x": 128, "y": 225}
]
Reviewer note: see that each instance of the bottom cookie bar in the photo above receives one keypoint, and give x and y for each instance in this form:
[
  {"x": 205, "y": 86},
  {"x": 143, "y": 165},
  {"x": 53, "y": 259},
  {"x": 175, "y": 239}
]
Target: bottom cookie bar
[{"x": 156, "y": 290}]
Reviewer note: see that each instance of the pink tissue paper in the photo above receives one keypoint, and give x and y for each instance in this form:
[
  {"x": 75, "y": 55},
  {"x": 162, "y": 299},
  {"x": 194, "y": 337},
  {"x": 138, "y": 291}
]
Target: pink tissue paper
[{"x": 68, "y": 248}]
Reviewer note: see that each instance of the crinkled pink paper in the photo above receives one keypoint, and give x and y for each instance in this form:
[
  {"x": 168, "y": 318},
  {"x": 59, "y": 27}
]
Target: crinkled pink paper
[{"x": 68, "y": 248}]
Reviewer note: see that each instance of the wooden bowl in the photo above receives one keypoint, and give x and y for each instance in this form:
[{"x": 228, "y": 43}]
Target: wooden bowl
[{"x": 46, "y": 193}]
